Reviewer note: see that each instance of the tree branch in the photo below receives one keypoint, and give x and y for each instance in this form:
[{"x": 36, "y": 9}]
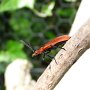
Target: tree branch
[{"x": 75, "y": 47}]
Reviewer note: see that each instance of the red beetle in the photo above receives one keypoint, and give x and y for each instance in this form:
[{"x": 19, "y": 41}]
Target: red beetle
[{"x": 49, "y": 45}]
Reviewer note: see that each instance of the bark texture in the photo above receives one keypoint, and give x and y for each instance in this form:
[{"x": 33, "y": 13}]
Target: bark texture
[{"x": 74, "y": 48}]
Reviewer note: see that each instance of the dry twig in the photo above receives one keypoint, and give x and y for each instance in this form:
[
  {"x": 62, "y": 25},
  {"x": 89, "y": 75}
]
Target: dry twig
[{"x": 75, "y": 47}]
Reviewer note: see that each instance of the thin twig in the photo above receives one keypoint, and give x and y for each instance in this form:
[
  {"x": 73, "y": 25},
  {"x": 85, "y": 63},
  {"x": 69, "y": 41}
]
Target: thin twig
[{"x": 74, "y": 48}]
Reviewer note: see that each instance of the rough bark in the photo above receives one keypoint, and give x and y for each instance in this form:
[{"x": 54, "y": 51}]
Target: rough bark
[{"x": 74, "y": 48}]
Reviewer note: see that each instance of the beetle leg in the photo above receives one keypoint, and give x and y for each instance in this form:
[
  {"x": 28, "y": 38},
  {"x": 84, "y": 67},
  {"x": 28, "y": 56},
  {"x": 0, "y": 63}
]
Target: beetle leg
[
  {"x": 43, "y": 56},
  {"x": 46, "y": 53},
  {"x": 52, "y": 57}
]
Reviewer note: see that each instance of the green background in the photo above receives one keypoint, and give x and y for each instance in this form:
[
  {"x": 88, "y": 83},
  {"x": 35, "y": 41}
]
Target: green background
[{"x": 35, "y": 22}]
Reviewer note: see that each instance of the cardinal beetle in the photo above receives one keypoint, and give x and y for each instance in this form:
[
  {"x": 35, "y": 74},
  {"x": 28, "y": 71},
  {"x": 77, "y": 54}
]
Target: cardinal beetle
[{"x": 46, "y": 48}]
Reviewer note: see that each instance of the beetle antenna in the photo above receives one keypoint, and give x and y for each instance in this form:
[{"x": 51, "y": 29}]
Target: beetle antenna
[{"x": 28, "y": 45}]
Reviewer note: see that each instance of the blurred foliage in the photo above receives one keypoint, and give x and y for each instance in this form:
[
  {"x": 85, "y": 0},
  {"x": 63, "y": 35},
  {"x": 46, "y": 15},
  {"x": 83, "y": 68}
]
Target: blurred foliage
[
  {"x": 34, "y": 21},
  {"x": 12, "y": 51},
  {"x": 7, "y": 5}
]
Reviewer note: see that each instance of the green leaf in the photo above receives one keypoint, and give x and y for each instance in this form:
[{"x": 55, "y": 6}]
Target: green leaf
[
  {"x": 4, "y": 56},
  {"x": 47, "y": 9},
  {"x": 13, "y": 51},
  {"x": 70, "y": 0},
  {"x": 20, "y": 22},
  {"x": 65, "y": 12},
  {"x": 9, "y": 5},
  {"x": 26, "y": 3}
]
